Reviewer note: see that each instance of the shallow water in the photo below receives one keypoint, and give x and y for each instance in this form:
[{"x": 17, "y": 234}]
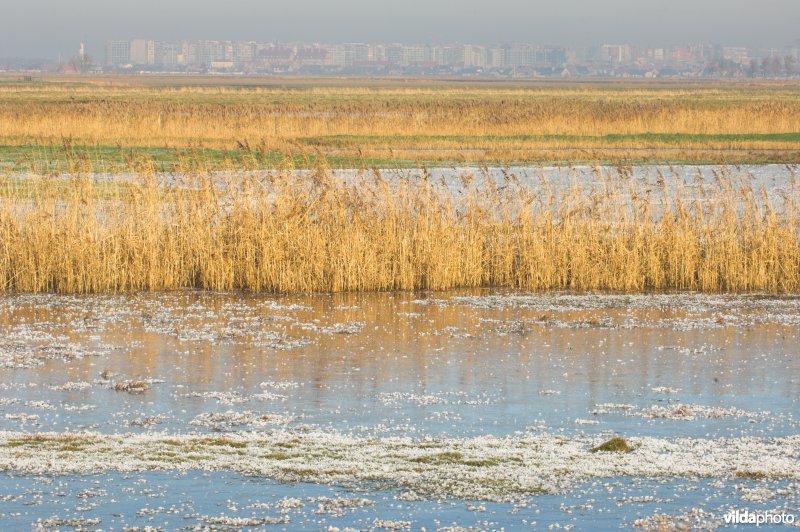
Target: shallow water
[
  {"x": 176, "y": 501},
  {"x": 460, "y": 365},
  {"x": 774, "y": 178}
]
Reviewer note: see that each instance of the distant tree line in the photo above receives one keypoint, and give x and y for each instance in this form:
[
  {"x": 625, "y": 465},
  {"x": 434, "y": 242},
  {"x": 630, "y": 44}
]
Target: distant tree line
[{"x": 768, "y": 67}]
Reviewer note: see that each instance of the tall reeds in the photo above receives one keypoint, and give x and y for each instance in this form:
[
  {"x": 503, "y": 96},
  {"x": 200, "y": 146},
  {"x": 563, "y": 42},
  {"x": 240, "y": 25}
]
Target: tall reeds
[{"x": 292, "y": 231}]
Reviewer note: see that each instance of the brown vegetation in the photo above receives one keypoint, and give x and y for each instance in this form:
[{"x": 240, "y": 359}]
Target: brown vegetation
[
  {"x": 479, "y": 122},
  {"x": 291, "y": 232}
]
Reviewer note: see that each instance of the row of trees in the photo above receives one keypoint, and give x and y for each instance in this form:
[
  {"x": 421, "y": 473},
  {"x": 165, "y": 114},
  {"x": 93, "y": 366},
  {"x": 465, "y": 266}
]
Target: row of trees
[{"x": 766, "y": 67}]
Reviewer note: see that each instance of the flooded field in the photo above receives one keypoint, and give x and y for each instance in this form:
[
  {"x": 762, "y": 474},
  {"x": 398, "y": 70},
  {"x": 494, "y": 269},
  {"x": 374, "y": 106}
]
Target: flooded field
[
  {"x": 774, "y": 178},
  {"x": 476, "y": 409}
]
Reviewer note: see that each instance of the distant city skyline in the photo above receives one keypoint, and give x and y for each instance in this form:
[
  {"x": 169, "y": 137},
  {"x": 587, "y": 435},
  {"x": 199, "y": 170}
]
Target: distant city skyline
[
  {"x": 99, "y": 52},
  {"x": 451, "y": 59},
  {"x": 49, "y": 28}
]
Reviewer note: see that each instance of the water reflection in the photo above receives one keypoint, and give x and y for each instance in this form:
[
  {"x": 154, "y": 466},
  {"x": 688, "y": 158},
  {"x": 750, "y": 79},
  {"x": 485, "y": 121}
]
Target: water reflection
[{"x": 462, "y": 363}]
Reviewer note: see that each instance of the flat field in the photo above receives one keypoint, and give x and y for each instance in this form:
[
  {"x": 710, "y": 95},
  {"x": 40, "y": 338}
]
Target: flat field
[{"x": 360, "y": 122}]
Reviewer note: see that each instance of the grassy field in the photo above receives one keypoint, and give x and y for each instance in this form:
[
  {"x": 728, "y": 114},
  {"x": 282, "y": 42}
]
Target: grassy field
[{"x": 262, "y": 121}]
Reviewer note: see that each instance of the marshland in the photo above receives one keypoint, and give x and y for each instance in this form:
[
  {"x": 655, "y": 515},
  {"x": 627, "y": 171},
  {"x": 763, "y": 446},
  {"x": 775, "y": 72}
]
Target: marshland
[
  {"x": 358, "y": 123},
  {"x": 397, "y": 304}
]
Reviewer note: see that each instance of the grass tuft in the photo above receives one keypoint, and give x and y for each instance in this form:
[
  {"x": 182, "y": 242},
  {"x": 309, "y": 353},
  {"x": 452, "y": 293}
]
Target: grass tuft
[{"x": 614, "y": 445}]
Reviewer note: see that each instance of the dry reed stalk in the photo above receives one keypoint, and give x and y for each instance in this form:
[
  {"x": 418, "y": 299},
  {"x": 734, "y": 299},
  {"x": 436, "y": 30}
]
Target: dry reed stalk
[{"x": 303, "y": 232}]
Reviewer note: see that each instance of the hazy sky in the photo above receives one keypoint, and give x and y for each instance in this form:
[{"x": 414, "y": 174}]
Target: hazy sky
[{"x": 45, "y": 28}]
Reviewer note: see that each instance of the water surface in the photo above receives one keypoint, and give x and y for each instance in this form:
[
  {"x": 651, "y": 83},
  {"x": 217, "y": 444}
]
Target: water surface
[{"x": 422, "y": 365}]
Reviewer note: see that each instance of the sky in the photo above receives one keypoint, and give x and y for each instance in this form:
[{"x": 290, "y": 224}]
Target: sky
[{"x": 47, "y": 28}]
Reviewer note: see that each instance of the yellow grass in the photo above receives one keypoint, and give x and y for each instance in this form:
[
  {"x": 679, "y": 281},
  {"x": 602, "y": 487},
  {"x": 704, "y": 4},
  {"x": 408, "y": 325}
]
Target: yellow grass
[
  {"x": 317, "y": 232},
  {"x": 444, "y": 121},
  {"x": 140, "y": 119}
]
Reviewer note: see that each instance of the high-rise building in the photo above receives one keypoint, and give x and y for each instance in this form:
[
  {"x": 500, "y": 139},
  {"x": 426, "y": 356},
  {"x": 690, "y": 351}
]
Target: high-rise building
[
  {"x": 445, "y": 55},
  {"x": 520, "y": 55},
  {"x": 209, "y": 51},
  {"x": 394, "y": 54},
  {"x": 118, "y": 53},
  {"x": 474, "y": 56},
  {"x": 188, "y": 55},
  {"x": 355, "y": 53},
  {"x": 379, "y": 53},
  {"x": 334, "y": 55},
  {"x": 167, "y": 54},
  {"x": 617, "y": 53},
  {"x": 415, "y": 54},
  {"x": 497, "y": 58},
  {"x": 142, "y": 52},
  {"x": 244, "y": 52},
  {"x": 550, "y": 56}
]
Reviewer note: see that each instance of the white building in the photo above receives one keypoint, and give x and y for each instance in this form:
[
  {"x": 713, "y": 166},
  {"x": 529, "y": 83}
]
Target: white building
[{"x": 143, "y": 52}]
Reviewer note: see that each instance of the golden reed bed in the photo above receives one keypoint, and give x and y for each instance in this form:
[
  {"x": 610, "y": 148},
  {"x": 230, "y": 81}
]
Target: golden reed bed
[
  {"x": 316, "y": 232},
  {"x": 407, "y": 120}
]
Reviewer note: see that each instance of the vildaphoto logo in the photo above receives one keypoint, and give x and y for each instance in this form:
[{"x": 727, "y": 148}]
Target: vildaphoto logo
[{"x": 746, "y": 517}]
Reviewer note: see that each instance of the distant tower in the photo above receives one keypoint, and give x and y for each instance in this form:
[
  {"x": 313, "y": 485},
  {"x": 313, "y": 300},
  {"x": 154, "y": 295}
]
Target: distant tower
[{"x": 81, "y": 54}]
